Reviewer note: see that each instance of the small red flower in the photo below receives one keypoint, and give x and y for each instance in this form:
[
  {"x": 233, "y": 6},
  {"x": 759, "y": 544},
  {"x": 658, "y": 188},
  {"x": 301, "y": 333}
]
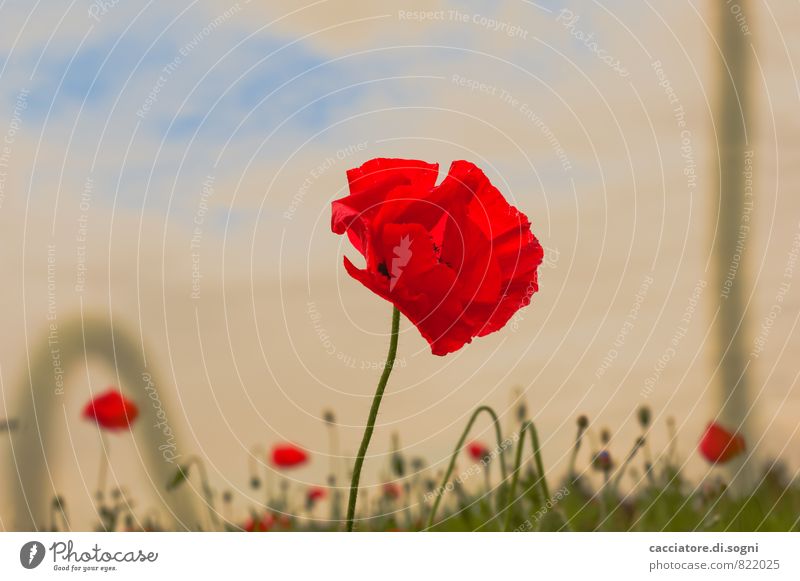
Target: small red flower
[
  {"x": 477, "y": 451},
  {"x": 261, "y": 525},
  {"x": 718, "y": 445},
  {"x": 391, "y": 490},
  {"x": 314, "y": 494},
  {"x": 288, "y": 456},
  {"x": 456, "y": 259},
  {"x": 111, "y": 410}
]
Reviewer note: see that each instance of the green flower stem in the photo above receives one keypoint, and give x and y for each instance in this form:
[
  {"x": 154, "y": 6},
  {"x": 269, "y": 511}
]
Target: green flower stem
[
  {"x": 206, "y": 488},
  {"x": 527, "y": 426},
  {"x": 544, "y": 490},
  {"x": 459, "y": 447},
  {"x": 102, "y": 474},
  {"x": 515, "y": 474},
  {"x": 253, "y": 463},
  {"x": 574, "y": 456},
  {"x": 537, "y": 455},
  {"x": 631, "y": 455},
  {"x": 373, "y": 414},
  {"x": 485, "y": 498}
]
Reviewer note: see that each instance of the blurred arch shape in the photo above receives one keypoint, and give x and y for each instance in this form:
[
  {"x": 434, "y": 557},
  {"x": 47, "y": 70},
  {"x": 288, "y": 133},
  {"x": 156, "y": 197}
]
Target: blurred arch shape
[{"x": 39, "y": 399}]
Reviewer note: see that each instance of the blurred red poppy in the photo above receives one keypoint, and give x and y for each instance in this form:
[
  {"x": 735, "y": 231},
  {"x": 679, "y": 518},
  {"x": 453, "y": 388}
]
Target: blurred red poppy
[
  {"x": 602, "y": 461},
  {"x": 391, "y": 490},
  {"x": 456, "y": 258},
  {"x": 314, "y": 494},
  {"x": 718, "y": 445},
  {"x": 260, "y": 525},
  {"x": 111, "y": 410},
  {"x": 477, "y": 451},
  {"x": 288, "y": 456}
]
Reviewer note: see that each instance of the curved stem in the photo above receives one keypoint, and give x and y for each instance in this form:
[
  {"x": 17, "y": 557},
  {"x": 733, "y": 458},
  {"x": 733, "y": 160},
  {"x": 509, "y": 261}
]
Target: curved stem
[
  {"x": 253, "y": 464},
  {"x": 373, "y": 414},
  {"x": 335, "y": 454},
  {"x": 515, "y": 474},
  {"x": 206, "y": 488},
  {"x": 458, "y": 449},
  {"x": 537, "y": 455}
]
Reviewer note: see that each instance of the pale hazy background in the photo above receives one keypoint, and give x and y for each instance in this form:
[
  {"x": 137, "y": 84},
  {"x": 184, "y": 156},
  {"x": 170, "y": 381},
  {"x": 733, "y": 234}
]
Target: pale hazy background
[{"x": 250, "y": 132}]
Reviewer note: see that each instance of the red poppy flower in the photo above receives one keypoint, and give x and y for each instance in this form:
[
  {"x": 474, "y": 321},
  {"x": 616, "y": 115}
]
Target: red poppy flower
[
  {"x": 314, "y": 494},
  {"x": 456, "y": 258},
  {"x": 262, "y": 525},
  {"x": 719, "y": 445},
  {"x": 288, "y": 456},
  {"x": 111, "y": 410},
  {"x": 477, "y": 450}
]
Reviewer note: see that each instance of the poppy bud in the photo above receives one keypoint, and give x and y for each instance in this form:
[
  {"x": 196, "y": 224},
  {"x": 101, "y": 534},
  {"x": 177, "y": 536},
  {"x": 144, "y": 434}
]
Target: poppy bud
[
  {"x": 522, "y": 412},
  {"x": 328, "y": 417},
  {"x": 583, "y": 422},
  {"x": 227, "y": 497},
  {"x": 397, "y": 460},
  {"x": 255, "y": 483},
  {"x": 605, "y": 436},
  {"x": 398, "y": 464},
  {"x": 644, "y": 417}
]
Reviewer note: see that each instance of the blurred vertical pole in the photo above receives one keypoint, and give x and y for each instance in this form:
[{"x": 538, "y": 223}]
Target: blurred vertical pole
[{"x": 732, "y": 233}]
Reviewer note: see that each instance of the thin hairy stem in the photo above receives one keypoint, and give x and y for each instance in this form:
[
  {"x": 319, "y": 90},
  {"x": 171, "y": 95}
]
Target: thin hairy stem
[{"x": 373, "y": 415}]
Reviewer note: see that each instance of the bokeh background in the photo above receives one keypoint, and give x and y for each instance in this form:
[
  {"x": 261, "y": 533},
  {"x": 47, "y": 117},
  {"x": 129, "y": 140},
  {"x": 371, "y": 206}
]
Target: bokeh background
[{"x": 168, "y": 168}]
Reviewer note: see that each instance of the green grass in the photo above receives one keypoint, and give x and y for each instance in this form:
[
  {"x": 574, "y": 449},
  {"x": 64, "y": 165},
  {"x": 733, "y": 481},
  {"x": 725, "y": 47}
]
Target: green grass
[{"x": 598, "y": 496}]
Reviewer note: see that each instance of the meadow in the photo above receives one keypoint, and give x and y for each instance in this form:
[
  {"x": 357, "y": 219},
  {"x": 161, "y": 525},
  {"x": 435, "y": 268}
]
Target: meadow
[{"x": 609, "y": 486}]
